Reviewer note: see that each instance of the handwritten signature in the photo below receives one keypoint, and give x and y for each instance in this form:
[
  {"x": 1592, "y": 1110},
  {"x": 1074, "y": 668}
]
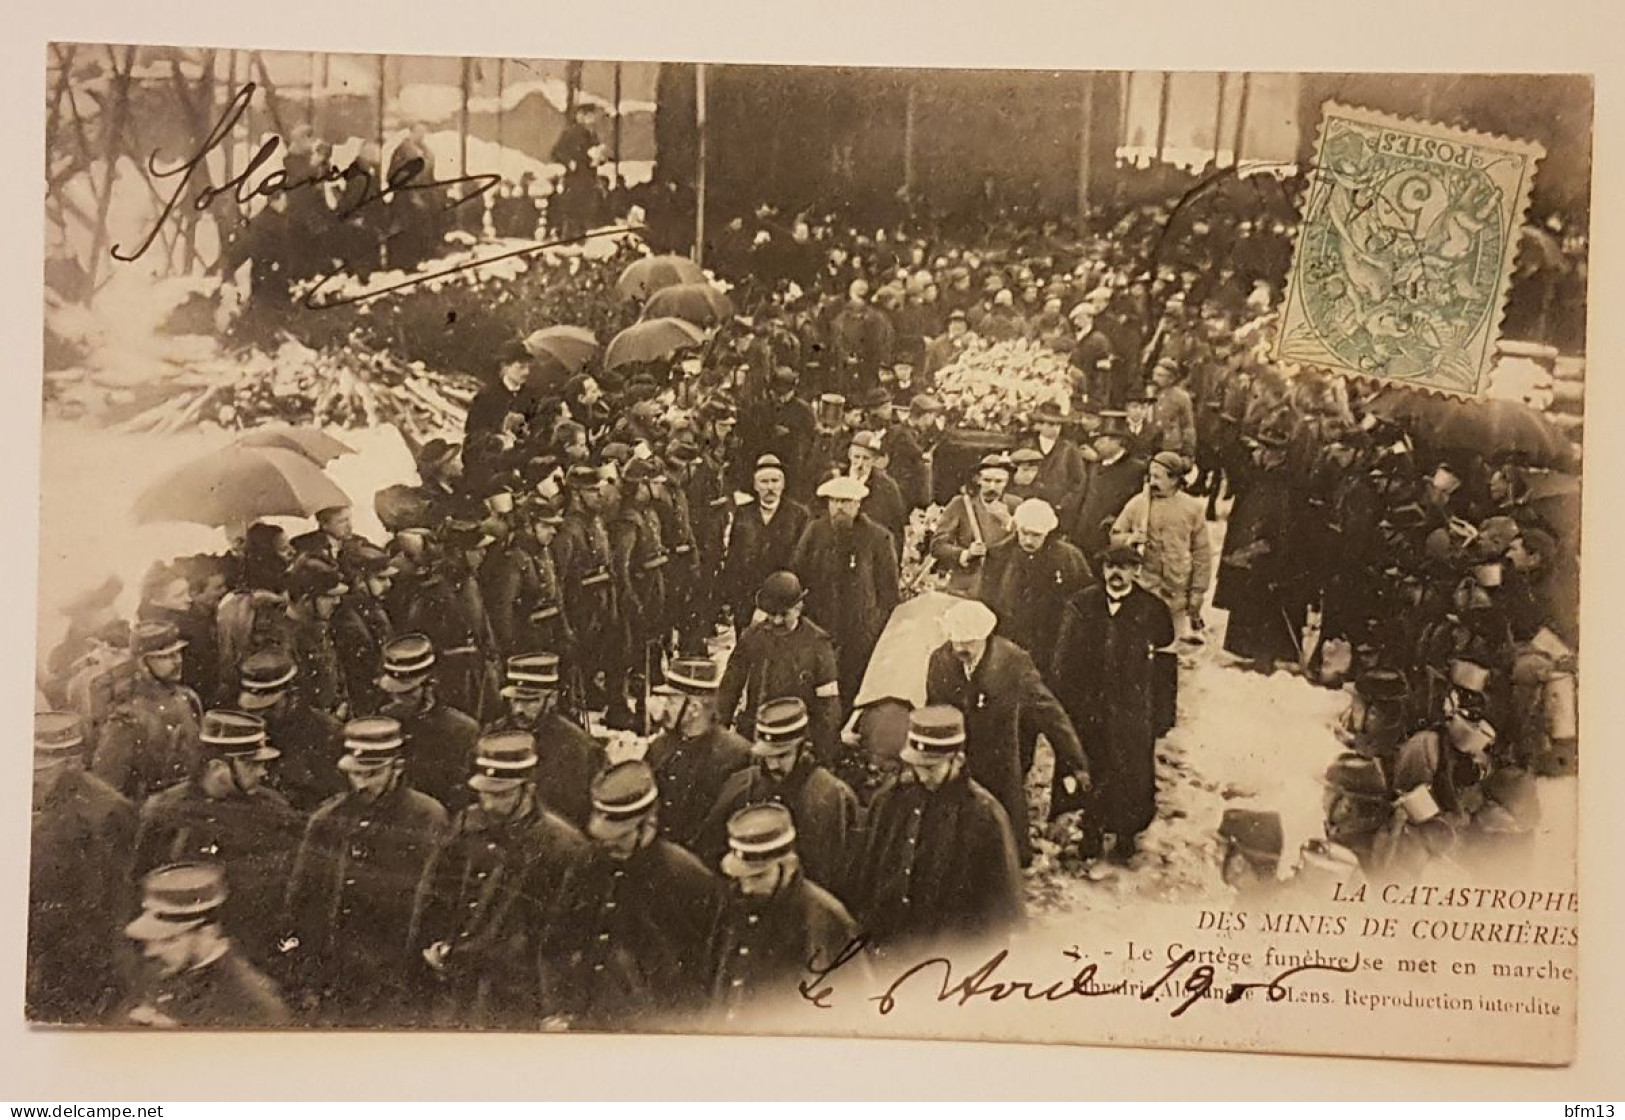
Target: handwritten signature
[
  {"x": 986, "y": 982},
  {"x": 250, "y": 184}
]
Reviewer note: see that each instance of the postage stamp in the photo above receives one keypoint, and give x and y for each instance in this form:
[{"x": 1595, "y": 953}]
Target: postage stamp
[{"x": 1405, "y": 251}]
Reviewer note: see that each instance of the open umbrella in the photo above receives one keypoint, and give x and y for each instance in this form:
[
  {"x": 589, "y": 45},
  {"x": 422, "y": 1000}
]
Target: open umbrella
[
  {"x": 313, "y": 443},
  {"x": 650, "y": 341},
  {"x": 237, "y": 485},
  {"x": 701, "y": 303},
  {"x": 643, "y": 278},
  {"x": 570, "y": 347},
  {"x": 1487, "y": 427}
]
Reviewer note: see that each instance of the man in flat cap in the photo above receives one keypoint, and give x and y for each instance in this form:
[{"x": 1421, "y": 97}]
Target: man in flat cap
[
  {"x": 311, "y": 740},
  {"x": 848, "y": 564},
  {"x": 639, "y": 557},
  {"x": 316, "y": 587},
  {"x": 762, "y": 540},
  {"x": 567, "y": 757},
  {"x": 972, "y": 524},
  {"x": 778, "y": 920},
  {"x": 1106, "y": 678},
  {"x": 1005, "y": 704},
  {"x": 784, "y": 654},
  {"x": 150, "y": 742},
  {"x": 226, "y": 813},
  {"x": 82, "y": 830},
  {"x": 362, "y": 625},
  {"x": 439, "y": 739},
  {"x": 939, "y": 861},
  {"x": 202, "y": 979},
  {"x": 488, "y": 891},
  {"x": 883, "y": 502},
  {"x": 632, "y": 942},
  {"x": 694, "y": 754},
  {"x": 350, "y": 894},
  {"x": 784, "y": 769},
  {"x": 911, "y": 450},
  {"x": 1169, "y": 529},
  {"x": 591, "y": 598}
]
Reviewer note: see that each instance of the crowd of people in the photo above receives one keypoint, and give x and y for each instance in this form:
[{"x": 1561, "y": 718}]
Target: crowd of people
[{"x": 335, "y": 781}]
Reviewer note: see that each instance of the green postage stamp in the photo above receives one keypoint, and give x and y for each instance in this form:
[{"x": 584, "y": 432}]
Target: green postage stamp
[{"x": 1405, "y": 250}]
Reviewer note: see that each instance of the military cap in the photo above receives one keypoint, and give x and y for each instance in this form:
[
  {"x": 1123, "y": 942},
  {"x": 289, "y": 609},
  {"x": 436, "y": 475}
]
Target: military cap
[
  {"x": 582, "y": 477},
  {"x": 692, "y": 676},
  {"x": 57, "y": 736},
  {"x": 1113, "y": 422},
  {"x": 1026, "y": 457},
  {"x": 843, "y": 488},
  {"x": 531, "y": 675},
  {"x": 832, "y": 401},
  {"x": 503, "y": 761},
  {"x": 781, "y": 726},
  {"x": 1256, "y": 833},
  {"x": 156, "y": 638},
  {"x": 370, "y": 743},
  {"x": 779, "y": 592},
  {"x": 770, "y": 462},
  {"x": 177, "y": 898},
  {"x": 618, "y": 452},
  {"x": 226, "y": 733},
  {"x": 625, "y": 792},
  {"x": 934, "y": 731},
  {"x": 407, "y": 662},
  {"x": 1357, "y": 777},
  {"x": 263, "y": 676},
  {"x": 867, "y": 440},
  {"x": 758, "y": 835}
]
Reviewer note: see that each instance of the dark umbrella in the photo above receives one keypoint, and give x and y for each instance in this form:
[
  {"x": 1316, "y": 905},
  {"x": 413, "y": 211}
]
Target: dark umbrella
[
  {"x": 1486, "y": 427},
  {"x": 237, "y": 485},
  {"x": 571, "y": 348},
  {"x": 703, "y": 304},
  {"x": 650, "y": 341},
  {"x": 643, "y": 278},
  {"x": 313, "y": 443}
]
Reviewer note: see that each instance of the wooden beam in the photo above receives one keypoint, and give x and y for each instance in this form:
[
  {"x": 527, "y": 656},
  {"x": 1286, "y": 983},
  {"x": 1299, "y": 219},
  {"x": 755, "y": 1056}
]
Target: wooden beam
[
  {"x": 699, "y": 171},
  {"x": 1241, "y": 115},
  {"x": 615, "y": 133},
  {"x": 270, "y": 93},
  {"x": 1218, "y": 117},
  {"x": 1086, "y": 144},
  {"x": 462, "y": 118},
  {"x": 1162, "y": 114},
  {"x": 113, "y": 127}
]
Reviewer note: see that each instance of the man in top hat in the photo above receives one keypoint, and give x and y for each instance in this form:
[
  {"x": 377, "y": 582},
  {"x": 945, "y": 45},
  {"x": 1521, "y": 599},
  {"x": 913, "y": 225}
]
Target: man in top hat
[
  {"x": 362, "y": 625},
  {"x": 309, "y": 739},
  {"x": 779, "y": 918},
  {"x": 785, "y": 770},
  {"x": 972, "y": 525},
  {"x": 150, "y": 742},
  {"x": 694, "y": 754},
  {"x": 1144, "y": 438},
  {"x": 849, "y": 566},
  {"x": 939, "y": 860},
  {"x": 1169, "y": 529},
  {"x": 1106, "y": 678},
  {"x": 81, "y": 833},
  {"x": 226, "y": 813},
  {"x": 1112, "y": 477},
  {"x": 439, "y": 739},
  {"x": 762, "y": 540},
  {"x": 884, "y": 502},
  {"x": 1006, "y": 704},
  {"x": 202, "y": 979},
  {"x": 591, "y": 598},
  {"x": 487, "y": 893},
  {"x": 1029, "y": 578},
  {"x": 911, "y": 450},
  {"x": 316, "y": 588},
  {"x": 784, "y": 654},
  {"x": 350, "y": 893},
  {"x": 1258, "y": 579},
  {"x": 568, "y": 757},
  {"x": 632, "y": 942},
  {"x": 1061, "y": 474}
]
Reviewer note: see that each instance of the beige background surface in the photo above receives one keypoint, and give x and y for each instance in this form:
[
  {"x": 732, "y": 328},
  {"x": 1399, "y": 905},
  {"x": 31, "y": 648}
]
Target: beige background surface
[{"x": 1489, "y": 35}]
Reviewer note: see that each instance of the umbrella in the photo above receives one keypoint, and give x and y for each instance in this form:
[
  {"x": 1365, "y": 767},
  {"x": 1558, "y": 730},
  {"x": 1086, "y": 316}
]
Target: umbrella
[
  {"x": 643, "y": 278},
  {"x": 651, "y": 340},
  {"x": 896, "y": 668},
  {"x": 1487, "y": 427},
  {"x": 236, "y": 485},
  {"x": 313, "y": 443},
  {"x": 701, "y": 303},
  {"x": 570, "y": 347}
]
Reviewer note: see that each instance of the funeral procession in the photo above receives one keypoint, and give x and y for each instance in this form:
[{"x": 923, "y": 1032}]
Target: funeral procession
[{"x": 583, "y": 546}]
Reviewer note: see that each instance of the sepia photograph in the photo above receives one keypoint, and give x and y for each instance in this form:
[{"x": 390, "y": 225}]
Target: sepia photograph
[{"x": 1067, "y": 556}]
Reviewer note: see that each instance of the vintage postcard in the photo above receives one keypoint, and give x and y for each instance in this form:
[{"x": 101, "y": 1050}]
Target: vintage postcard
[{"x": 577, "y": 546}]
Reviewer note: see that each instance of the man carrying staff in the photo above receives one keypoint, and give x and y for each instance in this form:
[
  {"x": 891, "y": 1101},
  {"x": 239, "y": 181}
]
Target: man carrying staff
[{"x": 971, "y": 526}]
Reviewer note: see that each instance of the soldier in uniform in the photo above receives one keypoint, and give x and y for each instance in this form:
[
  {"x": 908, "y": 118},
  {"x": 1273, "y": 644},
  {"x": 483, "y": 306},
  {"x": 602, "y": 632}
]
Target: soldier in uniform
[
  {"x": 487, "y": 893},
  {"x": 350, "y": 894},
  {"x": 80, "y": 839},
  {"x": 439, "y": 738},
  {"x": 784, "y": 654},
  {"x": 544, "y": 625},
  {"x": 940, "y": 859},
  {"x": 569, "y": 758},
  {"x": 778, "y": 920},
  {"x": 362, "y": 625},
  {"x": 591, "y": 598},
  {"x": 316, "y": 589},
  {"x": 639, "y": 559},
  {"x": 199, "y": 977},
  {"x": 690, "y": 611},
  {"x": 150, "y": 743},
  {"x": 633, "y": 939},
  {"x": 763, "y": 538},
  {"x": 786, "y": 771},
  {"x": 694, "y": 754},
  {"x": 310, "y": 739},
  {"x": 226, "y": 814},
  {"x": 451, "y": 610}
]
